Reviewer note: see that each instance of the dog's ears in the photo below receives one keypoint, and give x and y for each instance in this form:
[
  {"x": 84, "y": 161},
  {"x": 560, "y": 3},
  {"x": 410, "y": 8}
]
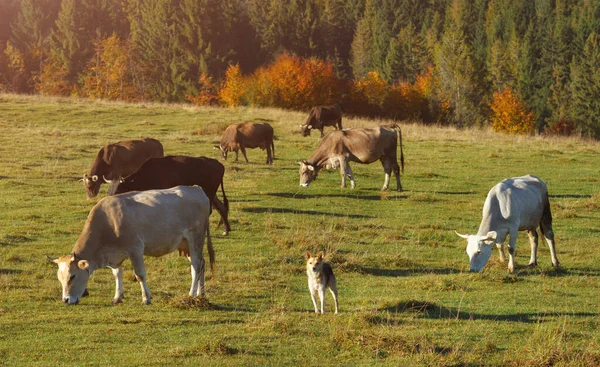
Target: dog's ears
[
  {"x": 320, "y": 255},
  {"x": 308, "y": 255}
]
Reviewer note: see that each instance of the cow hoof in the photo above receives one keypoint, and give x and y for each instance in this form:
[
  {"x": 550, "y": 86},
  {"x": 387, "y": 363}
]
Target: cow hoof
[
  {"x": 225, "y": 233},
  {"x": 532, "y": 265},
  {"x": 117, "y": 301},
  {"x": 146, "y": 301}
]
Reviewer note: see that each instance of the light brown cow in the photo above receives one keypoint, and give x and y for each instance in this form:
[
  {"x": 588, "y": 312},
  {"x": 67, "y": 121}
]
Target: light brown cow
[
  {"x": 134, "y": 225},
  {"x": 247, "y": 135},
  {"x": 338, "y": 148},
  {"x": 117, "y": 160}
]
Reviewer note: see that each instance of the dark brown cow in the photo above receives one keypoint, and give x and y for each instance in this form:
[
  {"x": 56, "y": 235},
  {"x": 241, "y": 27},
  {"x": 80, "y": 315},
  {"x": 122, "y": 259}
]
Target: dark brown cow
[
  {"x": 338, "y": 148},
  {"x": 117, "y": 160},
  {"x": 171, "y": 171},
  {"x": 322, "y": 116},
  {"x": 247, "y": 135}
]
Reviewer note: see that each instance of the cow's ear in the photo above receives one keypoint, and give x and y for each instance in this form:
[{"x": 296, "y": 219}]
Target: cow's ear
[
  {"x": 309, "y": 127},
  {"x": 490, "y": 236},
  {"x": 121, "y": 179},
  {"x": 83, "y": 264},
  {"x": 308, "y": 255},
  {"x": 52, "y": 260}
]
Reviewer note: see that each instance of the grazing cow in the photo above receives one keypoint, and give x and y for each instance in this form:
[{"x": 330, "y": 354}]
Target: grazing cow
[
  {"x": 515, "y": 204},
  {"x": 117, "y": 160},
  {"x": 171, "y": 171},
  {"x": 338, "y": 148},
  {"x": 321, "y": 116},
  {"x": 151, "y": 223},
  {"x": 247, "y": 135}
]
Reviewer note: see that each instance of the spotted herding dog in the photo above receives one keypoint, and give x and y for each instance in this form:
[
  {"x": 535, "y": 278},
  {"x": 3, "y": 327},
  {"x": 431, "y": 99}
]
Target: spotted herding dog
[{"x": 320, "y": 277}]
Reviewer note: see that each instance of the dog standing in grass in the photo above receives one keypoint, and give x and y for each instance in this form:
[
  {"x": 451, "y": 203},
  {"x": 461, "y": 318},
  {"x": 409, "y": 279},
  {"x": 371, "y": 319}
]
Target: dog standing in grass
[{"x": 320, "y": 277}]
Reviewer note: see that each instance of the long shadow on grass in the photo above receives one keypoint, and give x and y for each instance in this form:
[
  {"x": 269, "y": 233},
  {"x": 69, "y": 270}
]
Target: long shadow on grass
[
  {"x": 570, "y": 196},
  {"x": 428, "y": 310},
  {"x": 288, "y": 195},
  {"x": 405, "y": 272},
  {"x": 309, "y": 212},
  {"x": 10, "y": 271}
]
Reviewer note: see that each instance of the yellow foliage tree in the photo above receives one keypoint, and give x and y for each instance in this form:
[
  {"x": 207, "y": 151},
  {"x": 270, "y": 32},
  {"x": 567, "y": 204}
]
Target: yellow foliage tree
[
  {"x": 510, "y": 115},
  {"x": 233, "y": 91}
]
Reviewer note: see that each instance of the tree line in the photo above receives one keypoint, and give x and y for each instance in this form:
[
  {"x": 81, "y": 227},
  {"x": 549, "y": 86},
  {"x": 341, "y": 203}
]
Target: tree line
[{"x": 517, "y": 65}]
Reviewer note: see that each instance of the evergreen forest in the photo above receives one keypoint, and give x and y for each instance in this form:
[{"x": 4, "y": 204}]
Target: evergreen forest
[{"x": 521, "y": 66}]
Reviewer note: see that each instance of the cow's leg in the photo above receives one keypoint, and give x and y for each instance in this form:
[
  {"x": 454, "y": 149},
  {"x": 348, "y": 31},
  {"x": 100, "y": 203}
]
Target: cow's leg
[
  {"x": 342, "y": 163},
  {"x": 512, "y": 245},
  {"x": 321, "y": 129},
  {"x": 339, "y": 124},
  {"x": 350, "y": 175},
  {"x": 140, "y": 275},
  {"x": 236, "y": 154},
  {"x": 119, "y": 294},
  {"x": 387, "y": 169},
  {"x": 223, "y": 212},
  {"x": 196, "y": 244},
  {"x": 533, "y": 242},
  {"x": 500, "y": 247},
  {"x": 243, "y": 149},
  {"x": 547, "y": 232},
  {"x": 269, "y": 155}
]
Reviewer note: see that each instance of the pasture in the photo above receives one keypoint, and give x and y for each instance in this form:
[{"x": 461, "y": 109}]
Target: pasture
[{"x": 406, "y": 295}]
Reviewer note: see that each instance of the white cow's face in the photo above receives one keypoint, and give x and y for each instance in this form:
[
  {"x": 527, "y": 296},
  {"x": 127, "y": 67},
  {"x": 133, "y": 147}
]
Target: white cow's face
[
  {"x": 73, "y": 275},
  {"x": 308, "y": 173},
  {"x": 479, "y": 249}
]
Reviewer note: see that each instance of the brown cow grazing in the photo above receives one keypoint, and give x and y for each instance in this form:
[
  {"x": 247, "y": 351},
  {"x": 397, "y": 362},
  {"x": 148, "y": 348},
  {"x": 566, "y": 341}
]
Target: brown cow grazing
[
  {"x": 321, "y": 116},
  {"x": 338, "y": 148},
  {"x": 171, "y": 171},
  {"x": 117, "y": 160},
  {"x": 247, "y": 135}
]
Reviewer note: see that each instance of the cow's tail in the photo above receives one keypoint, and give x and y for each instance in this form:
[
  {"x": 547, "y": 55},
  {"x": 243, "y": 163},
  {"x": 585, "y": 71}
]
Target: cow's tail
[
  {"x": 273, "y": 147},
  {"x": 211, "y": 250},
  {"x": 397, "y": 128},
  {"x": 546, "y": 213},
  {"x": 225, "y": 201}
]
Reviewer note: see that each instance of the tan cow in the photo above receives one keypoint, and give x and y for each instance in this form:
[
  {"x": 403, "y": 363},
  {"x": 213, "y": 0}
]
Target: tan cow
[
  {"x": 134, "y": 225},
  {"x": 117, "y": 160},
  {"x": 247, "y": 135},
  {"x": 338, "y": 148}
]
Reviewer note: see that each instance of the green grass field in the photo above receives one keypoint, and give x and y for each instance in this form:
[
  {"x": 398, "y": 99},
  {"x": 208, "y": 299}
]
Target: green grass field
[{"x": 406, "y": 296}]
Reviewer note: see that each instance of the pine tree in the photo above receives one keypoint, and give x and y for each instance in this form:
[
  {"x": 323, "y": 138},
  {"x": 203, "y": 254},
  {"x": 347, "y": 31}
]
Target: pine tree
[{"x": 586, "y": 88}]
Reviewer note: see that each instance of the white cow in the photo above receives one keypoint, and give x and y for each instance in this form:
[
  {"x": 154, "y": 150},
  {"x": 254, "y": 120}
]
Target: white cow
[
  {"x": 515, "y": 204},
  {"x": 131, "y": 225}
]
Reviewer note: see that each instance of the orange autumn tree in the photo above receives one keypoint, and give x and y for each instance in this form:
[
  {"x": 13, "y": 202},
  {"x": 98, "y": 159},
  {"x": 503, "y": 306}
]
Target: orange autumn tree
[{"x": 510, "y": 115}]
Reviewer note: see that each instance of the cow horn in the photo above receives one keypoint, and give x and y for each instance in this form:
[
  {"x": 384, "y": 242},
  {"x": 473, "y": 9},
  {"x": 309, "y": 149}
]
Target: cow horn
[
  {"x": 105, "y": 180},
  {"x": 94, "y": 178},
  {"x": 462, "y": 235}
]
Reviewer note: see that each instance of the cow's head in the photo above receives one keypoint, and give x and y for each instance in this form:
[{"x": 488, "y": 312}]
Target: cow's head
[
  {"x": 479, "y": 249},
  {"x": 73, "y": 274},
  {"x": 308, "y": 173},
  {"x": 91, "y": 185},
  {"x": 305, "y": 129},
  {"x": 223, "y": 150}
]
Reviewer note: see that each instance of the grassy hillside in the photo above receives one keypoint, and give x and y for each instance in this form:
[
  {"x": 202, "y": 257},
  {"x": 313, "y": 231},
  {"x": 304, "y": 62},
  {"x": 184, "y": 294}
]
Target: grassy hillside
[{"x": 406, "y": 296}]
